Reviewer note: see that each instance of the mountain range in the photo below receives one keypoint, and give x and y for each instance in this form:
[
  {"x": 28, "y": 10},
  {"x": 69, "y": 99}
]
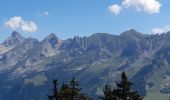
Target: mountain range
[{"x": 28, "y": 66}]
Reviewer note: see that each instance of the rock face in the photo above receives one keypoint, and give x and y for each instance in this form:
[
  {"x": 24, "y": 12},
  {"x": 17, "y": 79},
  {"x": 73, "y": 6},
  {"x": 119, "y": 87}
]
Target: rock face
[
  {"x": 27, "y": 64},
  {"x": 14, "y": 39},
  {"x": 50, "y": 45}
]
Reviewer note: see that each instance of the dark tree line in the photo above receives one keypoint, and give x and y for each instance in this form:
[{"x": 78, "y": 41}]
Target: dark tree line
[
  {"x": 72, "y": 91},
  {"x": 69, "y": 91}
]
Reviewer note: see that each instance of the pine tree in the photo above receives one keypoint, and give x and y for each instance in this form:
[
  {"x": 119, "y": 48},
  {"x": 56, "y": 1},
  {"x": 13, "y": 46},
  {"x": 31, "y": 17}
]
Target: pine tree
[
  {"x": 125, "y": 89},
  {"x": 107, "y": 92},
  {"x": 64, "y": 92},
  {"x": 69, "y": 91},
  {"x": 74, "y": 87},
  {"x": 55, "y": 91},
  {"x": 122, "y": 92}
]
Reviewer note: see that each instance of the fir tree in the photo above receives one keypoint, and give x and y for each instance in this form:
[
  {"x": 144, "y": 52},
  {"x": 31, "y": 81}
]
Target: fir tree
[
  {"x": 74, "y": 87},
  {"x": 122, "y": 92},
  {"x": 107, "y": 92},
  {"x": 64, "y": 92},
  {"x": 55, "y": 91},
  {"x": 125, "y": 91},
  {"x": 69, "y": 91}
]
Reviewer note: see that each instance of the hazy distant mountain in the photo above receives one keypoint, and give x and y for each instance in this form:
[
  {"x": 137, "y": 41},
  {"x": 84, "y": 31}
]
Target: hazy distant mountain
[
  {"x": 27, "y": 64},
  {"x": 12, "y": 41}
]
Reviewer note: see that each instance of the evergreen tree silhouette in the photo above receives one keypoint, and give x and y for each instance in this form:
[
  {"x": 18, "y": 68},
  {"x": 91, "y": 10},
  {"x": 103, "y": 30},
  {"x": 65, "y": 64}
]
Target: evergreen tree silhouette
[
  {"x": 55, "y": 91},
  {"x": 122, "y": 92},
  {"x": 74, "y": 87},
  {"x": 69, "y": 91},
  {"x": 64, "y": 92},
  {"x": 107, "y": 92}
]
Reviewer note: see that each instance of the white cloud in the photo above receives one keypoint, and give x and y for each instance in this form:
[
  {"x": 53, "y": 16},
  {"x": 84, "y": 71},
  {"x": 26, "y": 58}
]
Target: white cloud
[
  {"x": 29, "y": 27},
  {"x": 18, "y": 23},
  {"x": 161, "y": 30},
  {"x": 14, "y": 22},
  {"x": 116, "y": 9},
  {"x": 148, "y": 6},
  {"x": 45, "y": 13}
]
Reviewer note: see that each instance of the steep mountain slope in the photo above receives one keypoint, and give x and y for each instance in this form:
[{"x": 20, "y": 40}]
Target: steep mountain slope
[
  {"x": 30, "y": 65},
  {"x": 12, "y": 41}
]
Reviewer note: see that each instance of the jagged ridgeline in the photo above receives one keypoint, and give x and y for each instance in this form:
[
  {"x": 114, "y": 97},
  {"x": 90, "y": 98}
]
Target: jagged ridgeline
[{"x": 27, "y": 64}]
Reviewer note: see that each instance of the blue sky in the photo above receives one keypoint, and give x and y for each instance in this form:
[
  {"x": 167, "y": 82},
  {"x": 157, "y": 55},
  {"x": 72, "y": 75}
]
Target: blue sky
[{"x": 67, "y": 18}]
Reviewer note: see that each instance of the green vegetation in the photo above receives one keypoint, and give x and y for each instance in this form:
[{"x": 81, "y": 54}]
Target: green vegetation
[
  {"x": 72, "y": 91},
  {"x": 69, "y": 91},
  {"x": 122, "y": 92}
]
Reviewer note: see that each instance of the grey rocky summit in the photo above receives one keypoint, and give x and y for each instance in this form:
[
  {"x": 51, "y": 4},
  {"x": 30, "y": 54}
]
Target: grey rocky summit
[{"x": 14, "y": 39}]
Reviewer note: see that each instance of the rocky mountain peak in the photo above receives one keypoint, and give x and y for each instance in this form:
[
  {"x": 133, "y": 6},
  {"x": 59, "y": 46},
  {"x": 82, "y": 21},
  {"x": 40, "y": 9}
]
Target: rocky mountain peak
[
  {"x": 52, "y": 40},
  {"x": 15, "y": 34},
  {"x": 133, "y": 34},
  {"x": 52, "y": 35},
  {"x": 14, "y": 39}
]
